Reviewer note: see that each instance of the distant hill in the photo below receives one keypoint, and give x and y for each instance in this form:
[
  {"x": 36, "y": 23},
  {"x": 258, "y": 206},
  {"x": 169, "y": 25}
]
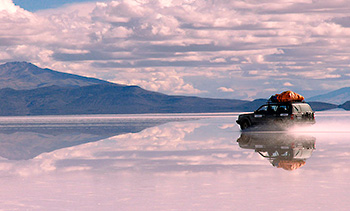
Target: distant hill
[
  {"x": 23, "y": 75},
  {"x": 105, "y": 99},
  {"x": 321, "y": 106},
  {"x": 26, "y": 89},
  {"x": 115, "y": 99},
  {"x": 345, "y": 105},
  {"x": 316, "y": 106},
  {"x": 338, "y": 97}
]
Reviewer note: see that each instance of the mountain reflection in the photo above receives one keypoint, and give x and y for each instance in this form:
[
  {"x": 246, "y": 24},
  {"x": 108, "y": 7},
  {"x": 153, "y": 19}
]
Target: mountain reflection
[
  {"x": 27, "y": 137},
  {"x": 283, "y": 150}
]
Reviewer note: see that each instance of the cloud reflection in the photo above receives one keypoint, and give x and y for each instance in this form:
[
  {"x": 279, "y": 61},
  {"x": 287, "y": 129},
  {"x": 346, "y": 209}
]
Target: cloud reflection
[
  {"x": 37, "y": 145},
  {"x": 189, "y": 165},
  {"x": 24, "y": 138},
  {"x": 196, "y": 146},
  {"x": 205, "y": 145}
]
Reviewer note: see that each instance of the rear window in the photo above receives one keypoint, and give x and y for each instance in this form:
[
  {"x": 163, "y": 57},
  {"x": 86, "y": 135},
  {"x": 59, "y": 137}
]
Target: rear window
[
  {"x": 302, "y": 108},
  {"x": 305, "y": 107}
]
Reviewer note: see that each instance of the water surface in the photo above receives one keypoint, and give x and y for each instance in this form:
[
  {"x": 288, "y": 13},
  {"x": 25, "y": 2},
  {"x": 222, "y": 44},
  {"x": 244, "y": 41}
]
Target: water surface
[{"x": 172, "y": 162}]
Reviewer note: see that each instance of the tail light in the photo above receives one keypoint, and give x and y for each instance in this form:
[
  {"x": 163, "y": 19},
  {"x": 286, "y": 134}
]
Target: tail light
[{"x": 292, "y": 116}]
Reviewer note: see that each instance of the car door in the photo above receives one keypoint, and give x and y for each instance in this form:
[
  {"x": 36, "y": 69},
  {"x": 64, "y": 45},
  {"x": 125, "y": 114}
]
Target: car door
[
  {"x": 283, "y": 112},
  {"x": 265, "y": 114}
]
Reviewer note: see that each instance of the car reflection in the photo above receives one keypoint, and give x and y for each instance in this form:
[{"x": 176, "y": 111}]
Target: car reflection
[{"x": 283, "y": 150}]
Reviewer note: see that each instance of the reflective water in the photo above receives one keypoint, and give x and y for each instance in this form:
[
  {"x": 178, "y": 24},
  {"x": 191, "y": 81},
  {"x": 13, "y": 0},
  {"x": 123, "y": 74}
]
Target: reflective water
[{"x": 172, "y": 162}]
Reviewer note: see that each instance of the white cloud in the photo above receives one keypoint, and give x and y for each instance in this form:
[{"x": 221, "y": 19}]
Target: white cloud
[
  {"x": 8, "y": 6},
  {"x": 244, "y": 42},
  {"x": 287, "y": 84},
  {"x": 225, "y": 89},
  {"x": 157, "y": 81}
]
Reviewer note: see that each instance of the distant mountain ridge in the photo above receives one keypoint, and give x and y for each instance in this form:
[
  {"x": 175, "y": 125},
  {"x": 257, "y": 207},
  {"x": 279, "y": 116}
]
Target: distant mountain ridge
[
  {"x": 338, "y": 96},
  {"x": 26, "y": 89},
  {"x": 24, "y": 75},
  {"x": 105, "y": 99}
]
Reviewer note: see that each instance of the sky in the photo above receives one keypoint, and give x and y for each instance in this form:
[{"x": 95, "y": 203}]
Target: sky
[
  {"x": 35, "y": 5},
  {"x": 243, "y": 49}
]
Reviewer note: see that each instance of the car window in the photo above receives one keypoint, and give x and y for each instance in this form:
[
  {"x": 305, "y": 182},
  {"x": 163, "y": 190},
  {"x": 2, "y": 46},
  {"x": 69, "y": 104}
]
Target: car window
[
  {"x": 301, "y": 108},
  {"x": 273, "y": 108},
  {"x": 296, "y": 109},
  {"x": 268, "y": 109},
  {"x": 262, "y": 109},
  {"x": 305, "y": 107},
  {"x": 282, "y": 109}
]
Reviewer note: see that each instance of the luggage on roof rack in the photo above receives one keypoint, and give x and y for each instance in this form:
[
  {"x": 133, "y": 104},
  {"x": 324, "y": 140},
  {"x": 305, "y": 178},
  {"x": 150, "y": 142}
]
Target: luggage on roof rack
[{"x": 287, "y": 96}]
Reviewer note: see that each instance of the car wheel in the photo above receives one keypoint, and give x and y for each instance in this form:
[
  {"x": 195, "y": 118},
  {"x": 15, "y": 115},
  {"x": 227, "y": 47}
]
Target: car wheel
[{"x": 244, "y": 125}]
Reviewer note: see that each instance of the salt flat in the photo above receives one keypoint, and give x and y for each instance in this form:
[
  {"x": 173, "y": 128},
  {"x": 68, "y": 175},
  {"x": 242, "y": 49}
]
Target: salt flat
[{"x": 172, "y": 162}]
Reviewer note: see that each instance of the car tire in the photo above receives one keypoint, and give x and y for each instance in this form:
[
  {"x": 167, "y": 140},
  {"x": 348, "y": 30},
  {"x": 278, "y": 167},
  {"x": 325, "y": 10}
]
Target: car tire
[{"x": 245, "y": 124}]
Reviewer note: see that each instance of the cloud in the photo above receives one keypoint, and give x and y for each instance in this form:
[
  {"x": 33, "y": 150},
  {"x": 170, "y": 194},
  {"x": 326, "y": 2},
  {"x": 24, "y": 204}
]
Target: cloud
[
  {"x": 220, "y": 43},
  {"x": 343, "y": 21},
  {"x": 157, "y": 81},
  {"x": 288, "y": 84},
  {"x": 8, "y": 6},
  {"x": 225, "y": 89}
]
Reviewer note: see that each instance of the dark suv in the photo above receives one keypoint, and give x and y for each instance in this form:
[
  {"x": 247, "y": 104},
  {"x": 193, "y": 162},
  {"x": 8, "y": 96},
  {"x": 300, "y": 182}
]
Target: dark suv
[{"x": 281, "y": 114}]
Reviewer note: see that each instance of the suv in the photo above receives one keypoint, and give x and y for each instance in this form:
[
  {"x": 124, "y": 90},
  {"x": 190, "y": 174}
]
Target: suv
[{"x": 278, "y": 113}]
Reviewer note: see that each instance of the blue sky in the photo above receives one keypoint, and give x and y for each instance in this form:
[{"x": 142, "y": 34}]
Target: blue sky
[
  {"x": 223, "y": 49},
  {"x": 34, "y": 5}
]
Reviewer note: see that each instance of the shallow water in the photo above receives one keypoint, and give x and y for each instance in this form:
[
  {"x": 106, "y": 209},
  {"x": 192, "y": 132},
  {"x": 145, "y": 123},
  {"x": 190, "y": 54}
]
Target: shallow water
[{"x": 172, "y": 162}]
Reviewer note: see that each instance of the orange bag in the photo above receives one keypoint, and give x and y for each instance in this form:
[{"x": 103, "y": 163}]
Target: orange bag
[
  {"x": 291, "y": 165},
  {"x": 288, "y": 96}
]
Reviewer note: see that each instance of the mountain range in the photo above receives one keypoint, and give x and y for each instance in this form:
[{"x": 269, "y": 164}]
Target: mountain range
[
  {"x": 26, "y": 89},
  {"x": 23, "y": 76},
  {"x": 338, "y": 96}
]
